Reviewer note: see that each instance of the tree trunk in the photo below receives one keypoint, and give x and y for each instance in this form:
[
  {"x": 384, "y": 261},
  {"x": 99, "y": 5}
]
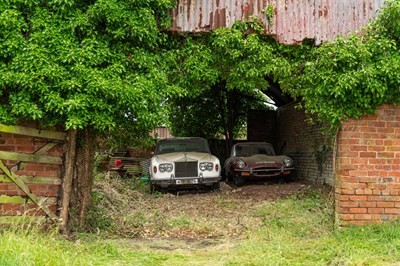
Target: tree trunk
[
  {"x": 78, "y": 178},
  {"x": 68, "y": 177},
  {"x": 222, "y": 101},
  {"x": 232, "y": 115},
  {"x": 83, "y": 178}
]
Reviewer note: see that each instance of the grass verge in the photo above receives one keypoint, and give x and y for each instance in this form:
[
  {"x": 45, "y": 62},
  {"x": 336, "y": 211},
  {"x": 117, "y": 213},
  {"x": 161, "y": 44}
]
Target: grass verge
[{"x": 297, "y": 230}]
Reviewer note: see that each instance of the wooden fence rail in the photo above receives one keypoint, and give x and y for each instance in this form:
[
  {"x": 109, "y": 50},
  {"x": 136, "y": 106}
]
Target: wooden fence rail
[{"x": 30, "y": 171}]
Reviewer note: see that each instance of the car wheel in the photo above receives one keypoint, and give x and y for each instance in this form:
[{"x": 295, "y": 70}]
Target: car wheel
[
  {"x": 229, "y": 178},
  {"x": 291, "y": 177},
  {"x": 237, "y": 180}
]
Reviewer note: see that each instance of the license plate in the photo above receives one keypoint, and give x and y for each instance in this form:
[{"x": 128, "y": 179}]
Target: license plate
[{"x": 186, "y": 181}]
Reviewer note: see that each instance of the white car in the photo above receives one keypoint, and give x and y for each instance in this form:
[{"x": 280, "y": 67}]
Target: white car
[{"x": 179, "y": 162}]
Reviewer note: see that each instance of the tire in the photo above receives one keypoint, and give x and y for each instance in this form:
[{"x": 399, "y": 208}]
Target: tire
[
  {"x": 291, "y": 177},
  {"x": 228, "y": 178},
  {"x": 238, "y": 181}
]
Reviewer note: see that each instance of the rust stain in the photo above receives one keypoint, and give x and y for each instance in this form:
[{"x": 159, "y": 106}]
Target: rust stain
[
  {"x": 293, "y": 21},
  {"x": 200, "y": 18},
  {"x": 250, "y": 9},
  {"x": 245, "y": 10},
  {"x": 223, "y": 16}
]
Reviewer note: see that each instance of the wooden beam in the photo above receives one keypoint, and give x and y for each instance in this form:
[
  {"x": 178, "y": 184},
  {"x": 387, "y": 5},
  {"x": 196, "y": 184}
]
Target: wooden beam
[
  {"x": 40, "y": 151},
  {"x": 16, "y": 156},
  {"x": 15, "y": 178},
  {"x": 21, "y": 219},
  {"x": 6, "y": 199},
  {"x": 33, "y": 179},
  {"x": 32, "y": 132}
]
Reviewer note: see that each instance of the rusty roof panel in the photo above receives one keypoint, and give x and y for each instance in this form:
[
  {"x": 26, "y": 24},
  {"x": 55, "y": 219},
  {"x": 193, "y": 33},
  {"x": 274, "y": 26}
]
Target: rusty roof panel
[{"x": 294, "y": 20}]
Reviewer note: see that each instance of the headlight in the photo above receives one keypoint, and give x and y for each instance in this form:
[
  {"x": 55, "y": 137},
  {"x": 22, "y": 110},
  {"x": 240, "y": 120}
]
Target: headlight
[
  {"x": 206, "y": 166},
  {"x": 165, "y": 167},
  {"x": 241, "y": 164},
  {"x": 287, "y": 162}
]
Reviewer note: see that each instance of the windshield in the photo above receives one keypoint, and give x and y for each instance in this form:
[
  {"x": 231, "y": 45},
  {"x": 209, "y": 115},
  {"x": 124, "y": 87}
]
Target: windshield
[
  {"x": 252, "y": 149},
  {"x": 182, "y": 145}
]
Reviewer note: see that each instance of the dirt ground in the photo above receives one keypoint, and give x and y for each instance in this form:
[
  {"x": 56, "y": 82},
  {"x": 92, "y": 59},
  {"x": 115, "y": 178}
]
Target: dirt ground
[
  {"x": 197, "y": 219},
  {"x": 193, "y": 219},
  {"x": 256, "y": 191},
  {"x": 194, "y": 214},
  {"x": 265, "y": 190}
]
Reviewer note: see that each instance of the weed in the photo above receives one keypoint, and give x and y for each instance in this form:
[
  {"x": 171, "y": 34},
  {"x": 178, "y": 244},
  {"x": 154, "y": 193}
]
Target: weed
[
  {"x": 180, "y": 222},
  {"x": 225, "y": 203}
]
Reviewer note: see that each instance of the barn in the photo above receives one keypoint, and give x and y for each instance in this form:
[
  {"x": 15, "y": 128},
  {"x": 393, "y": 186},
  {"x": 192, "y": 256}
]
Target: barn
[{"x": 362, "y": 164}]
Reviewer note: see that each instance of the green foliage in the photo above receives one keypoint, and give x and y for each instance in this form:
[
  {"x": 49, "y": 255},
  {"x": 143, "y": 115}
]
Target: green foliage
[
  {"x": 388, "y": 22},
  {"x": 269, "y": 13},
  {"x": 109, "y": 65},
  {"x": 214, "y": 112},
  {"x": 98, "y": 218},
  {"x": 84, "y": 63},
  {"x": 351, "y": 76},
  {"x": 221, "y": 76},
  {"x": 347, "y": 78}
]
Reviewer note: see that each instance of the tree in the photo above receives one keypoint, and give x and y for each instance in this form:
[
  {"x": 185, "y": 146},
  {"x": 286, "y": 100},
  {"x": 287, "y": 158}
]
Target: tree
[
  {"x": 90, "y": 67},
  {"x": 343, "y": 79},
  {"x": 351, "y": 76},
  {"x": 221, "y": 76},
  {"x": 215, "y": 113}
]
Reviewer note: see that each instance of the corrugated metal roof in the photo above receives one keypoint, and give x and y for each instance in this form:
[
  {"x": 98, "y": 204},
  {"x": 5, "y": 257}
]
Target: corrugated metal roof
[{"x": 294, "y": 20}]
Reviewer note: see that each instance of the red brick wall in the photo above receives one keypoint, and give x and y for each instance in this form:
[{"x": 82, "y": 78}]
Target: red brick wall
[
  {"x": 291, "y": 134},
  {"x": 48, "y": 191},
  {"x": 305, "y": 144},
  {"x": 368, "y": 168}
]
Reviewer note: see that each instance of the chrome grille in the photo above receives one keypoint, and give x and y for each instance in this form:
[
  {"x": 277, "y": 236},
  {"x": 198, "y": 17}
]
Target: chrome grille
[{"x": 186, "y": 169}]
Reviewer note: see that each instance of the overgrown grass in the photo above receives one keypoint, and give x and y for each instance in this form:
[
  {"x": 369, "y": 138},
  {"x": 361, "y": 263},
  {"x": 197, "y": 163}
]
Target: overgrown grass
[
  {"x": 298, "y": 230},
  {"x": 31, "y": 247}
]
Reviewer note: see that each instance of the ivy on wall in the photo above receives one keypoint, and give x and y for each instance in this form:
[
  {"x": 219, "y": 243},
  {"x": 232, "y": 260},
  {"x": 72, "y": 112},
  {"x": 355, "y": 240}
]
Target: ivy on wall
[{"x": 351, "y": 76}]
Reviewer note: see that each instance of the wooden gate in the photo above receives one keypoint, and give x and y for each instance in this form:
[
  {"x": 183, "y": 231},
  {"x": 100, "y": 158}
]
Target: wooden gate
[{"x": 30, "y": 172}]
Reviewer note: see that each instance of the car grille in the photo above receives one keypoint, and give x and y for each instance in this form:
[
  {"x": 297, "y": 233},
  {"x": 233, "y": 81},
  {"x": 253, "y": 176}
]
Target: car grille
[
  {"x": 267, "y": 171},
  {"x": 186, "y": 169}
]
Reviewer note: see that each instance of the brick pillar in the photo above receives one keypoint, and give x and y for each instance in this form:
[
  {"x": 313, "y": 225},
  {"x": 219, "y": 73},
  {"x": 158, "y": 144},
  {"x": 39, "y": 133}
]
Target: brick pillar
[{"x": 368, "y": 168}]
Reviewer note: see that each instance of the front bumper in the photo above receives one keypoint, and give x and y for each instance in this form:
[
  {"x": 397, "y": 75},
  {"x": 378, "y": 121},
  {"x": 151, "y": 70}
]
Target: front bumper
[
  {"x": 187, "y": 181},
  {"x": 260, "y": 173}
]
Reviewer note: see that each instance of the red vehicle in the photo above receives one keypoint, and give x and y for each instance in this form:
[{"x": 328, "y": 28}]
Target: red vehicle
[
  {"x": 119, "y": 167},
  {"x": 256, "y": 160}
]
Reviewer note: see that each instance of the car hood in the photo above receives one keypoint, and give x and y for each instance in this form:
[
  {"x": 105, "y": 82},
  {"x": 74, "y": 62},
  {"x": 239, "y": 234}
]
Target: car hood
[
  {"x": 260, "y": 159},
  {"x": 184, "y": 157}
]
